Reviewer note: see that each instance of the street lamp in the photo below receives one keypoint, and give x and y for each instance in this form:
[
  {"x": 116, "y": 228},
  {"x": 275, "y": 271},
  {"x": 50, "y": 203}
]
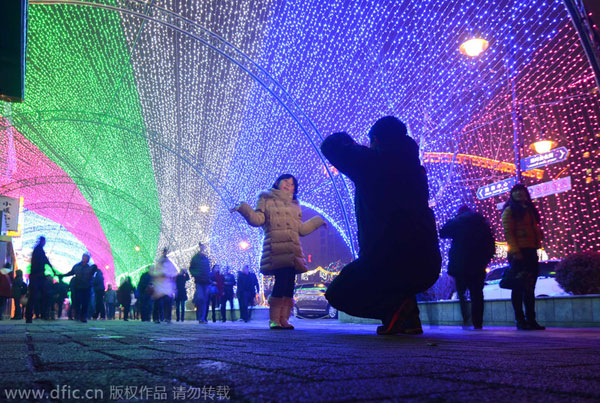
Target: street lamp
[
  {"x": 543, "y": 146},
  {"x": 474, "y": 47}
]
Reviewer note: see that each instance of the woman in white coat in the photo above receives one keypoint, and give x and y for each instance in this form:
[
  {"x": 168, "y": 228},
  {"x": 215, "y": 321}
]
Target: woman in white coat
[{"x": 278, "y": 213}]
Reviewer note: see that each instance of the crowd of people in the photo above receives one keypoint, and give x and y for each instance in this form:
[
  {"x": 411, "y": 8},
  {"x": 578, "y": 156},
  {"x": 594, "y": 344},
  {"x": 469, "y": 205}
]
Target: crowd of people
[
  {"x": 399, "y": 254},
  {"x": 87, "y": 296}
]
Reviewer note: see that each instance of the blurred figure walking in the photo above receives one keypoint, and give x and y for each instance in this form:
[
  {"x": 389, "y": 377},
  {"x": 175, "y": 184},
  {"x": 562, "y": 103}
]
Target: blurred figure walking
[{"x": 163, "y": 280}]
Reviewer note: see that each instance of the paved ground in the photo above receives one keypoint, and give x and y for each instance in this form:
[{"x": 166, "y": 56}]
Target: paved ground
[{"x": 321, "y": 360}]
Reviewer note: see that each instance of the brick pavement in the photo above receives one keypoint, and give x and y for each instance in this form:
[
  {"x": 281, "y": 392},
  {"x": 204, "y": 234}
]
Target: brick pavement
[{"x": 322, "y": 360}]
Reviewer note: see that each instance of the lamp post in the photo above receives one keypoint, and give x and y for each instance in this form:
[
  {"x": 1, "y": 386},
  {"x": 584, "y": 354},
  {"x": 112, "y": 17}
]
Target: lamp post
[{"x": 475, "y": 47}]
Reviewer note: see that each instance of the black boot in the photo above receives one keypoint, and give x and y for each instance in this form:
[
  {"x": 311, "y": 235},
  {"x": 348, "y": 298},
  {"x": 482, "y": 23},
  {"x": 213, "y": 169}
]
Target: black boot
[
  {"x": 523, "y": 325},
  {"x": 533, "y": 325}
]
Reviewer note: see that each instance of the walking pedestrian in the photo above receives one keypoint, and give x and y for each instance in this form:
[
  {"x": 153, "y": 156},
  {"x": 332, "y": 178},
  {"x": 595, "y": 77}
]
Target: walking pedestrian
[
  {"x": 110, "y": 299},
  {"x": 37, "y": 279},
  {"x": 98, "y": 285},
  {"x": 19, "y": 290},
  {"x": 247, "y": 288},
  {"x": 181, "y": 294},
  {"x": 82, "y": 282},
  {"x": 163, "y": 280},
  {"x": 200, "y": 270},
  {"x": 228, "y": 294},
  {"x": 124, "y": 297},
  {"x": 472, "y": 249}
]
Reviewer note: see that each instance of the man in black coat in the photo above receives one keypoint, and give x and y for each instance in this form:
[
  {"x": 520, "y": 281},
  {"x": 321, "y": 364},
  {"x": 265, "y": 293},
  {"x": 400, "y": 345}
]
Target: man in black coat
[
  {"x": 200, "y": 271},
  {"x": 247, "y": 288},
  {"x": 82, "y": 283},
  {"x": 181, "y": 294},
  {"x": 144, "y": 294},
  {"x": 399, "y": 252},
  {"x": 472, "y": 249},
  {"x": 228, "y": 284}
]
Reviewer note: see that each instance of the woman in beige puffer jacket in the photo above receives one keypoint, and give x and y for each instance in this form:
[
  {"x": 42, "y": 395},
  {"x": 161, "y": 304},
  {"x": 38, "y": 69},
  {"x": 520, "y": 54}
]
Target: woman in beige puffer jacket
[{"x": 278, "y": 213}]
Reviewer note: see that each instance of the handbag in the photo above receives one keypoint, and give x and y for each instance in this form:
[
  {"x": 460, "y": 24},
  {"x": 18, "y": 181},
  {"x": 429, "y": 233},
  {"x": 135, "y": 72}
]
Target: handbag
[
  {"x": 513, "y": 277},
  {"x": 512, "y": 280}
]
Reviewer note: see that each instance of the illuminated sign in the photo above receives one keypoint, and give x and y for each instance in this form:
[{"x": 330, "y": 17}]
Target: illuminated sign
[
  {"x": 495, "y": 189},
  {"x": 551, "y": 157},
  {"x": 12, "y": 209}
]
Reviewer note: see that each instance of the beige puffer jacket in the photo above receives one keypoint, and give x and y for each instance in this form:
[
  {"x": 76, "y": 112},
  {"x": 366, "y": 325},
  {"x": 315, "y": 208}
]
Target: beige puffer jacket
[{"x": 281, "y": 219}]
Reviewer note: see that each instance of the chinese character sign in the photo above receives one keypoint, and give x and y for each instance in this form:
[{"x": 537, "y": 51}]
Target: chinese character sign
[{"x": 10, "y": 209}]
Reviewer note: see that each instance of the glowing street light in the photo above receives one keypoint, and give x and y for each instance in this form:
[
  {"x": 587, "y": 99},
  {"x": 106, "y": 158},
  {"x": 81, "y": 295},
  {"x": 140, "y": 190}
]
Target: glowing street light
[
  {"x": 244, "y": 245},
  {"x": 543, "y": 146},
  {"x": 204, "y": 209},
  {"x": 137, "y": 248},
  {"x": 474, "y": 47}
]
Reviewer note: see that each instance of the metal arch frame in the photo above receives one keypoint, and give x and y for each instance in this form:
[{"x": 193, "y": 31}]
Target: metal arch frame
[
  {"x": 233, "y": 54},
  {"x": 106, "y": 120},
  {"x": 86, "y": 208},
  {"x": 82, "y": 181}
]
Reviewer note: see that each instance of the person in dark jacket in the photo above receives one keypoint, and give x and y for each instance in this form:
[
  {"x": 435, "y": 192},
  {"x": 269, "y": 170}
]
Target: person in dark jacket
[
  {"x": 5, "y": 288},
  {"x": 37, "y": 278},
  {"x": 215, "y": 291},
  {"x": 247, "y": 288},
  {"x": 399, "y": 253},
  {"x": 472, "y": 249},
  {"x": 82, "y": 283},
  {"x": 110, "y": 299},
  {"x": 124, "y": 296},
  {"x": 228, "y": 294},
  {"x": 61, "y": 292},
  {"x": 98, "y": 284},
  {"x": 181, "y": 294},
  {"x": 200, "y": 271},
  {"x": 19, "y": 289},
  {"x": 145, "y": 291}
]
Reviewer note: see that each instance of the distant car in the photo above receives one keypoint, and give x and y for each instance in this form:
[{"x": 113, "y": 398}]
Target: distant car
[
  {"x": 310, "y": 301},
  {"x": 546, "y": 285}
]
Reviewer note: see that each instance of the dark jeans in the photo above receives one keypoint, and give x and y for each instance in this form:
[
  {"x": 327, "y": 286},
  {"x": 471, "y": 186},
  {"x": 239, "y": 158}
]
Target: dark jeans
[
  {"x": 100, "y": 309},
  {"x": 475, "y": 286},
  {"x": 2, "y": 305},
  {"x": 245, "y": 299},
  {"x": 18, "y": 310},
  {"x": 126, "y": 309},
  {"x": 162, "y": 309},
  {"x": 59, "y": 307},
  {"x": 213, "y": 303},
  {"x": 180, "y": 309},
  {"x": 82, "y": 300},
  {"x": 284, "y": 282},
  {"x": 526, "y": 294},
  {"x": 224, "y": 300},
  {"x": 35, "y": 291},
  {"x": 110, "y": 311},
  {"x": 145, "y": 307}
]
